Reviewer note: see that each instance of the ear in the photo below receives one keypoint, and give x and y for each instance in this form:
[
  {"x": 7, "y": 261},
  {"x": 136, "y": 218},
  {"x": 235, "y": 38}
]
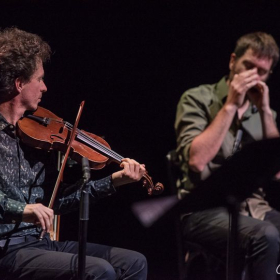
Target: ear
[
  {"x": 19, "y": 85},
  {"x": 232, "y": 61}
]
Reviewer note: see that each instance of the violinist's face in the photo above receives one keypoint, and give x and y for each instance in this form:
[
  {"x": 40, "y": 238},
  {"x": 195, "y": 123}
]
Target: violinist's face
[{"x": 32, "y": 91}]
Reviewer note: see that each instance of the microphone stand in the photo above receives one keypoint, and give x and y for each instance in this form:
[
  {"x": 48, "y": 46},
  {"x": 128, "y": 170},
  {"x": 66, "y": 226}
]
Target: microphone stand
[
  {"x": 233, "y": 210},
  {"x": 83, "y": 219}
]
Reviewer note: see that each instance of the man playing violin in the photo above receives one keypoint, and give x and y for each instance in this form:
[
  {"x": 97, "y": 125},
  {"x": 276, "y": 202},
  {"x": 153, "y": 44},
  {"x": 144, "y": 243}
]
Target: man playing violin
[{"x": 25, "y": 175}]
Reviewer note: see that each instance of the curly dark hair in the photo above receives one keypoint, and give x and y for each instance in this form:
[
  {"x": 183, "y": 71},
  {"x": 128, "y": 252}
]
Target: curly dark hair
[
  {"x": 20, "y": 52},
  {"x": 262, "y": 44}
]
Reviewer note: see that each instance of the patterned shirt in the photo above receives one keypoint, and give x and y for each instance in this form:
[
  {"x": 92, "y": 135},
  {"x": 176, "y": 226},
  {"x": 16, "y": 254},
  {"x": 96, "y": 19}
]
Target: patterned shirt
[{"x": 27, "y": 176}]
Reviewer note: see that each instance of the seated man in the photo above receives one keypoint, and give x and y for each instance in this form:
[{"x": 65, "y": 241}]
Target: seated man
[
  {"x": 25, "y": 182},
  {"x": 208, "y": 118}
]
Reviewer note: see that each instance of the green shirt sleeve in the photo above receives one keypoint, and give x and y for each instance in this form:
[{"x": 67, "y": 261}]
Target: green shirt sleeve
[
  {"x": 195, "y": 111},
  {"x": 193, "y": 116}
]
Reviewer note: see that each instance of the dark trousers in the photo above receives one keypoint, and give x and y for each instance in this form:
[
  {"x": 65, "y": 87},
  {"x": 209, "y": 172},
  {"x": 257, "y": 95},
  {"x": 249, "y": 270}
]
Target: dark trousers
[
  {"x": 258, "y": 240},
  {"x": 51, "y": 260}
]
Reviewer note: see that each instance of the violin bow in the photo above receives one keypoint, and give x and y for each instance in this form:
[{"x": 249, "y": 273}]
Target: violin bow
[{"x": 59, "y": 178}]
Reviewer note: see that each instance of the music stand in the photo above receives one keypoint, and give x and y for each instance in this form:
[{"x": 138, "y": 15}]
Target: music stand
[{"x": 247, "y": 170}]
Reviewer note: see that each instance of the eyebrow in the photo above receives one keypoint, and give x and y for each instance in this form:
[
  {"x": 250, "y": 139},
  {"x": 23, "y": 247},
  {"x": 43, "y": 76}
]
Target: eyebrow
[{"x": 250, "y": 62}]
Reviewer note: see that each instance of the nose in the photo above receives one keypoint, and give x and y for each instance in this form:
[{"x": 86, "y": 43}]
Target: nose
[{"x": 44, "y": 88}]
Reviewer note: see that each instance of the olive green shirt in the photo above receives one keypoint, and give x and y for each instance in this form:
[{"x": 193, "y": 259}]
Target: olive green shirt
[{"x": 196, "y": 109}]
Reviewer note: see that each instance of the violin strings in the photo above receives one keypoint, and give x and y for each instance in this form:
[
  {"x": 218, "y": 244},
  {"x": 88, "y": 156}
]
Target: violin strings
[
  {"x": 99, "y": 146},
  {"x": 90, "y": 141}
]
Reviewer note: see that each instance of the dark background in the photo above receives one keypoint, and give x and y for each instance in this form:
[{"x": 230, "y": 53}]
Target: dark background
[{"x": 131, "y": 61}]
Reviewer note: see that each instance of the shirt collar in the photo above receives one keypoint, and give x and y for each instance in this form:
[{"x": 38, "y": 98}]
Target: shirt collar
[
  {"x": 3, "y": 123},
  {"x": 222, "y": 89}
]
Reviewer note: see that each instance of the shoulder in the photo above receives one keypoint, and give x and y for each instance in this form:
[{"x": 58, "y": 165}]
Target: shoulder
[{"x": 203, "y": 94}]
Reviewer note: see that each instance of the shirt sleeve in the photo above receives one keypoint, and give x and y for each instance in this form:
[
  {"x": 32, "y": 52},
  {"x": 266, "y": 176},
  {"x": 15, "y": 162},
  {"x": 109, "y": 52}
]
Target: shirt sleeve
[
  {"x": 195, "y": 111},
  {"x": 98, "y": 189},
  {"x": 10, "y": 210},
  {"x": 191, "y": 118}
]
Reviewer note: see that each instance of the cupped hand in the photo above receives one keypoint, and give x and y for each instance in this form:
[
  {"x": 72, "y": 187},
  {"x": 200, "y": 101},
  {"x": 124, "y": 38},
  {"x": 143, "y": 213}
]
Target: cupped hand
[
  {"x": 259, "y": 96},
  {"x": 240, "y": 85},
  {"x": 38, "y": 214}
]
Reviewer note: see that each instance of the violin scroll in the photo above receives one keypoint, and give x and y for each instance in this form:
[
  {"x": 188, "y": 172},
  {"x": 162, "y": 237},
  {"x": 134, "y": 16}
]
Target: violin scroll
[{"x": 149, "y": 185}]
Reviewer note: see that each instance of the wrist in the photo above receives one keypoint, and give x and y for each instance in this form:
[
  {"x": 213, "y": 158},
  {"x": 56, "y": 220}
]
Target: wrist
[
  {"x": 116, "y": 176},
  {"x": 117, "y": 179},
  {"x": 265, "y": 111},
  {"x": 230, "y": 109}
]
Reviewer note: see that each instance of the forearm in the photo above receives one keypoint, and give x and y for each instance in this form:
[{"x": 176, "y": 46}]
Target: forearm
[
  {"x": 206, "y": 145},
  {"x": 132, "y": 171},
  {"x": 260, "y": 97},
  {"x": 69, "y": 199},
  {"x": 268, "y": 124},
  {"x": 10, "y": 210}
]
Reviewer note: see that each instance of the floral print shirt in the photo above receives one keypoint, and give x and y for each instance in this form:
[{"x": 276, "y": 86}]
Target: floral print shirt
[{"x": 27, "y": 176}]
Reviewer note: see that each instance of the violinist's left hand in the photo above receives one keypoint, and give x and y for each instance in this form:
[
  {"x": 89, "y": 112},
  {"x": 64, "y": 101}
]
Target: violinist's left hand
[{"x": 132, "y": 172}]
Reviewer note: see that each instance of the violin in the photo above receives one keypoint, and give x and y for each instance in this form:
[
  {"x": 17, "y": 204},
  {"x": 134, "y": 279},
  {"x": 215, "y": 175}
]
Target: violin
[{"x": 44, "y": 130}]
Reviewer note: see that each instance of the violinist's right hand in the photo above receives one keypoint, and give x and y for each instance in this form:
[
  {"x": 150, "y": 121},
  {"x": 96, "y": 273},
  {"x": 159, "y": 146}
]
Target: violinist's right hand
[{"x": 38, "y": 214}]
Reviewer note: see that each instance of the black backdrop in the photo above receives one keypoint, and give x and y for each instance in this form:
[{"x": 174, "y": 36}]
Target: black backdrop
[{"x": 130, "y": 61}]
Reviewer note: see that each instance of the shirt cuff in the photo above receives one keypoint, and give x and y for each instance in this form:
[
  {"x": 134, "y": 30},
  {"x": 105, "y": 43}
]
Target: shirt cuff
[
  {"x": 13, "y": 210},
  {"x": 103, "y": 187}
]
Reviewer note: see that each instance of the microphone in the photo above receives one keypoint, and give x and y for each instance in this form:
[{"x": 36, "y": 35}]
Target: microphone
[
  {"x": 237, "y": 141},
  {"x": 85, "y": 169},
  {"x": 86, "y": 176}
]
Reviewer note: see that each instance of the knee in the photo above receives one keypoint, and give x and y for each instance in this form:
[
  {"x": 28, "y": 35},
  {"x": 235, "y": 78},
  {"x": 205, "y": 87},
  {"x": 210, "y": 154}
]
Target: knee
[
  {"x": 267, "y": 237},
  {"x": 139, "y": 260},
  {"x": 270, "y": 235},
  {"x": 99, "y": 270},
  {"x": 137, "y": 265}
]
